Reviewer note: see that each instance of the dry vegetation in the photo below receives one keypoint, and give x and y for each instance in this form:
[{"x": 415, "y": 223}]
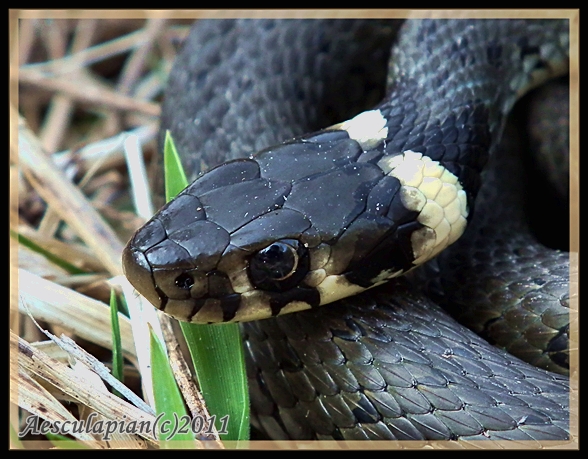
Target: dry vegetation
[{"x": 88, "y": 105}]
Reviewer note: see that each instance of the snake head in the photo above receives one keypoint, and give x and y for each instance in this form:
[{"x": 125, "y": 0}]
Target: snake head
[
  {"x": 224, "y": 249},
  {"x": 295, "y": 227}
]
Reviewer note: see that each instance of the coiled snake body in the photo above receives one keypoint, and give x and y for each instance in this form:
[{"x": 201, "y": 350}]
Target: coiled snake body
[{"x": 323, "y": 217}]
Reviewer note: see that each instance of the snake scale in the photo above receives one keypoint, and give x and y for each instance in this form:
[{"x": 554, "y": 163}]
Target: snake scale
[{"x": 350, "y": 209}]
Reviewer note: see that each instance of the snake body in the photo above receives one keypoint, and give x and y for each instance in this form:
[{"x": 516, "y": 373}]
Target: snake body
[{"x": 327, "y": 215}]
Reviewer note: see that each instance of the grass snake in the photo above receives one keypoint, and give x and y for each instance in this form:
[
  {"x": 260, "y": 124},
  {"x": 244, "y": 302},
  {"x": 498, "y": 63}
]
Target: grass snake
[{"x": 349, "y": 209}]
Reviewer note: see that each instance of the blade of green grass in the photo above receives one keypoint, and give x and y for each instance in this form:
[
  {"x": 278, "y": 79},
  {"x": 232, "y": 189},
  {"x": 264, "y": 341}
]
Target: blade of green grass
[
  {"x": 15, "y": 442},
  {"x": 217, "y": 353},
  {"x": 62, "y": 442},
  {"x": 175, "y": 177},
  {"x": 169, "y": 404},
  {"x": 216, "y": 350},
  {"x": 117, "y": 356},
  {"x": 122, "y": 305},
  {"x": 50, "y": 256}
]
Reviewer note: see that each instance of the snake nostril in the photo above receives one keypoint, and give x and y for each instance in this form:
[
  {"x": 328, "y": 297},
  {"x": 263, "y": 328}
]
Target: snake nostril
[{"x": 185, "y": 281}]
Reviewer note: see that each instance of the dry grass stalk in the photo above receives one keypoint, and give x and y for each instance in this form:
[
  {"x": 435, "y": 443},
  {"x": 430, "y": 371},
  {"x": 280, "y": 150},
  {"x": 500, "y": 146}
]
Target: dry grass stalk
[{"x": 68, "y": 102}]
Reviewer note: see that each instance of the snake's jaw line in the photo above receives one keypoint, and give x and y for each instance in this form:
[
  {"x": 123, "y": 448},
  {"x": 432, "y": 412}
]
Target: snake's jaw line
[{"x": 335, "y": 287}]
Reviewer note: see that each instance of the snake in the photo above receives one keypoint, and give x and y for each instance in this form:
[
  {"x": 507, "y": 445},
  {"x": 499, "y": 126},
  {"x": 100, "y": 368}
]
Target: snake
[{"x": 316, "y": 242}]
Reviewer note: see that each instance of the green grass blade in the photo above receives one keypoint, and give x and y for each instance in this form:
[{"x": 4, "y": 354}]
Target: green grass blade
[
  {"x": 169, "y": 404},
  {"x": 117, "y": 356},
  {"x": 50, "y": 256},
  {"x": 62, "y": 442},
  {"x": 175, "y": 178},
  {"x": 217, "y": 350},
  {"x": 122, "y": 305},
  {"x": 15, "y": 442},
  {"x": 217, "y": 353}
]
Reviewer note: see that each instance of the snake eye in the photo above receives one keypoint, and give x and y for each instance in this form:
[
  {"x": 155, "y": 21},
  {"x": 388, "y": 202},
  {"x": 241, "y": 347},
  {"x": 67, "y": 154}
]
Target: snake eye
[
  {"x": 280, "y": 266},
  {"x": 184, "y": 281}
]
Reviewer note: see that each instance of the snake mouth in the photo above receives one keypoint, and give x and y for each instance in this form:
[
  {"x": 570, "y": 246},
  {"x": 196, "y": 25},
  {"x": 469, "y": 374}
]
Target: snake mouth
[
  {"x": 191, "y": 295},
  {"x": 186, "y": 294},
  {"x": 183, "y": 307}
]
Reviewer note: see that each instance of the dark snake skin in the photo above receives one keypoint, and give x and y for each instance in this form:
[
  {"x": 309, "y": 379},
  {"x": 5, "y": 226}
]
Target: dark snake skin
[{"x": 388, "y": 363}]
